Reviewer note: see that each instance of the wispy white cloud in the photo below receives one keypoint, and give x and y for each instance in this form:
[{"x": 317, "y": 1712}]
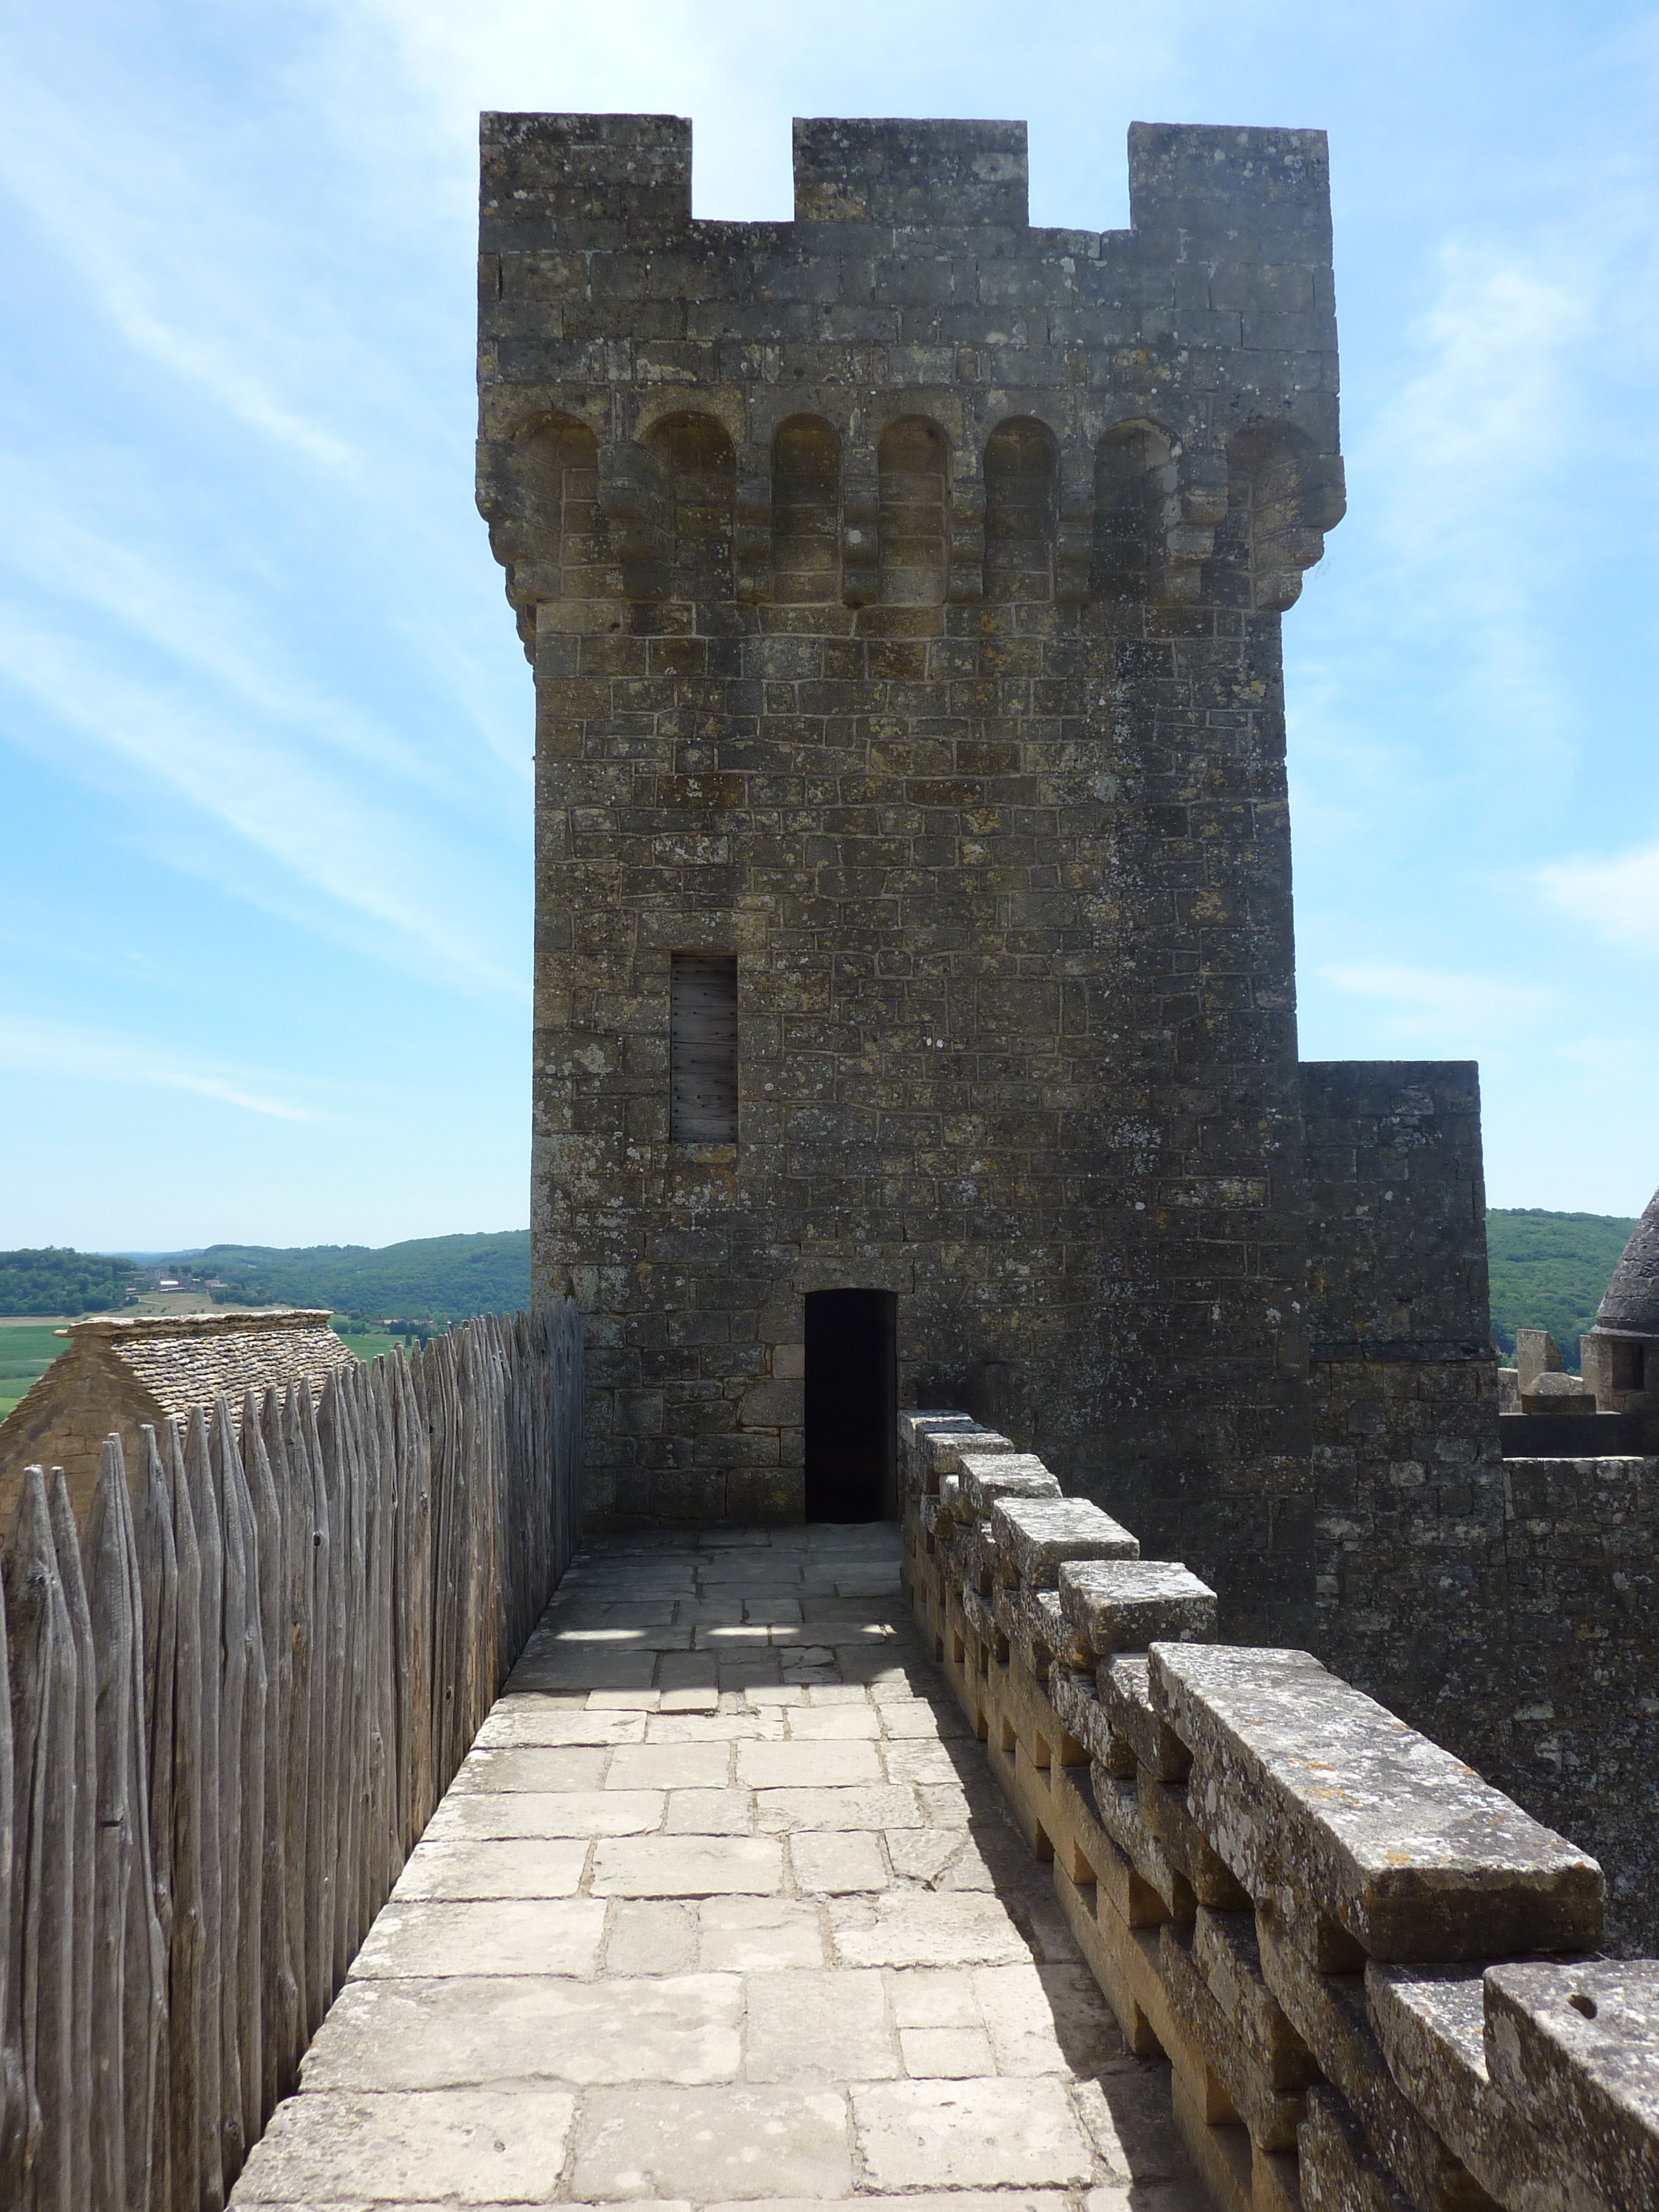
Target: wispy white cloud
[
  {"x": 1620, "y": 895},
  {"x": 349, "y": 842},
  {"x": 1426, "y": 994},
  {"x": 36, "y": 1047},
  {"x": 1470, "y": 467},
  {"x": 117, "y": 230}
]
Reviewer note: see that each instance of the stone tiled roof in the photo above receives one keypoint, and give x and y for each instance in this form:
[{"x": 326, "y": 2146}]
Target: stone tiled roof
[
  {"x": 1631, "y": 1302},
  {"x": 186, "y": 1359}
]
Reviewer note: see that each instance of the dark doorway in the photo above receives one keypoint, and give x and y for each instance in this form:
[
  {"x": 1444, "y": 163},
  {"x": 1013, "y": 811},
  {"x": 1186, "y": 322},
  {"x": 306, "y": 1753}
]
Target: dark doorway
[{"x": 852, "y": 1405}]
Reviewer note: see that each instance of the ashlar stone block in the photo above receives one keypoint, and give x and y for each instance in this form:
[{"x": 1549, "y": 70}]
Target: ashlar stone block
[
  {"x": 1128, "y": 1604},
  {"x": 1300, "y": 1780},
  {"x": 479, "y": 2145},
  {"x": 1576, "y": 2049},
  {"x": 1033, "y": 1536},
  {"x": 986, "y": 1476}
]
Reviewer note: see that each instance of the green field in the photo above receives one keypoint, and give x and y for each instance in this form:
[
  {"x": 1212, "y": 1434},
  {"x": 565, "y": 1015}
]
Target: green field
[
  {"x": 25, "y": 1354},
  {"x": 371, "y": 1344}
]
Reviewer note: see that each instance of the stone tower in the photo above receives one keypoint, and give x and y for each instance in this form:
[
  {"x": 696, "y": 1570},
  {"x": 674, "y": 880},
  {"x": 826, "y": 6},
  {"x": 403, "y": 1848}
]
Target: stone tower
[{"x": 903, "y": 586}]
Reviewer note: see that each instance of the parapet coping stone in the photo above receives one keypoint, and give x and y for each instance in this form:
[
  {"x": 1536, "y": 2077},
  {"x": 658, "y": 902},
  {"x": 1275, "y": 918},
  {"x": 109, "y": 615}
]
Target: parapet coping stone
[
  {"x": 986, "y": 1476},
  {"x": 1576, "y": 2047},
  {"x": 915, "y": 1427},
  {"x": 941, "y": 1450},
  {"x": 1129, "y": 1605},
  {"x": 1121, "y": 1683},
  {"x": 1033, "y": 1534},
  {"x": 1430, "y": 2027},
  {"x": 1301, "y": 1780}
]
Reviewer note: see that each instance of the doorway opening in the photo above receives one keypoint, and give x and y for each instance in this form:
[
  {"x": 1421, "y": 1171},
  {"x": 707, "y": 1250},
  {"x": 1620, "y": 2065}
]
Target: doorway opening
[{"x": 852, "y": 1405}]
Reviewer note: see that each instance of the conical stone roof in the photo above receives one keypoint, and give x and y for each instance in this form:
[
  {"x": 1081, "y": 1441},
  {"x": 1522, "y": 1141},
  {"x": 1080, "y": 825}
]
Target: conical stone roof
[{"x": 1631, "y": 1302}]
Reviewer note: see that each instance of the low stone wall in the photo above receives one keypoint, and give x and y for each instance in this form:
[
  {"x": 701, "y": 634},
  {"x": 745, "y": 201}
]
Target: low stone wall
[{"x": 1374, "y": 1977}]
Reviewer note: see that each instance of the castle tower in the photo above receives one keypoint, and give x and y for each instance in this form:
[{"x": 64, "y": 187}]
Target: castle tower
[
  {"x": 1620, "y": 1353},
  {"x": 903, "y": 585}
]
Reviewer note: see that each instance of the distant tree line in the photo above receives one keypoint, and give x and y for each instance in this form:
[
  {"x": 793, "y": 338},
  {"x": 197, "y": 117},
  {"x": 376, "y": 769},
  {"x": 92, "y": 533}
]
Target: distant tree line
[
  {"x": 56, "y": 1280},
  {"x": 429, "y": 1281}
]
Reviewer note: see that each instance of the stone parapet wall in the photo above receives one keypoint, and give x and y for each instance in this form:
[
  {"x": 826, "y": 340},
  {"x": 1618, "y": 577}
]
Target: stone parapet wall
[{"x": 1375, "y": 1978}]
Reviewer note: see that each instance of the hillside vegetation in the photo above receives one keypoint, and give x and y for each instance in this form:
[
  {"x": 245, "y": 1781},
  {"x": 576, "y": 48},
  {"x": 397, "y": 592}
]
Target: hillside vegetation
[
  {"x": 445, "y": 1279},
  {"x": 430, "y": 1278},
  {"x": 58, "y": 1281},
  {"x": 1549, "y": 1271}
]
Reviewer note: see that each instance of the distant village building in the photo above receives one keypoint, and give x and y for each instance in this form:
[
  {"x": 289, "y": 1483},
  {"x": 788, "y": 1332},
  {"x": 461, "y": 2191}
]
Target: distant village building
[{"x": 119, "y": 1373}]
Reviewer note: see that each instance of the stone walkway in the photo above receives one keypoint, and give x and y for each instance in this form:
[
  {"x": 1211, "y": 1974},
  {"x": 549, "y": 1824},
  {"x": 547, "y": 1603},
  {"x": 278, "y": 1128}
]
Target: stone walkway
[{"x": 724, "y": 1906}]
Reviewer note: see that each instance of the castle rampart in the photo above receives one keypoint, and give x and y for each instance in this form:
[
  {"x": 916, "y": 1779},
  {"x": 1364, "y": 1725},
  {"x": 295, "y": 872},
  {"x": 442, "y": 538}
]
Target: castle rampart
[{"x": 1375, "y": 1978}]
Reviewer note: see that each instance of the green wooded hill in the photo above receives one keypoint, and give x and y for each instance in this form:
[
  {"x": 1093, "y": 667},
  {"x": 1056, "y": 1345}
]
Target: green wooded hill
[
  {"x": 1549, "y": 1271},
  {"x": 430, "y": 1278},
  {"x": 59, "y": 1281},
  {"x": 436, "y": 1279}
]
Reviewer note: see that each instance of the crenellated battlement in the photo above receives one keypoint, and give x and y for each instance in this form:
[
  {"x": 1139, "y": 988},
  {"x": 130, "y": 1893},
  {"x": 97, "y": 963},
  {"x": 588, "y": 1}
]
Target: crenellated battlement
[{"x": 916, "y": 351}]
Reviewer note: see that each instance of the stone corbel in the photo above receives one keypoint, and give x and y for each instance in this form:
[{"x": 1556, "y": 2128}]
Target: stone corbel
[
  {"x": 1289, "y": 532},
  {"x": 1297, "y": 494},
  {"x": 751, "y": 529},
  {"x": 860, "y": 529},
  {"x": 634, "y": 506},
  {"x": 965, "y": 584}
]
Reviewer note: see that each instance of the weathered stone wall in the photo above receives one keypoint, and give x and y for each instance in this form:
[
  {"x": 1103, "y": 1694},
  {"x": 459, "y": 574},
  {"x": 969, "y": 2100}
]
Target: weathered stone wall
[
  {"x": 903, "y": 587},
  {"x": 1403, "y": 1377},
  {"x": 1505, "y": 1606},
  {"x": 1278, "y": 1885},
  {"x": 63, "y": 1418},
  {"x": 1562, "y": 1694}
]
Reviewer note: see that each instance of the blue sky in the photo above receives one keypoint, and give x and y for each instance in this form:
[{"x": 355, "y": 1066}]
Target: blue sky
[{"x": 265, "y": 726}]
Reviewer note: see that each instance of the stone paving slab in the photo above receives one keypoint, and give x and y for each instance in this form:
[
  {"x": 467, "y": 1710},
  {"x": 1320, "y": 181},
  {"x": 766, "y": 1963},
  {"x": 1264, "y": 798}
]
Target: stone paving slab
[
  {"x": 439, "y": 2032},
  {"x": 724, "y": 1919}
]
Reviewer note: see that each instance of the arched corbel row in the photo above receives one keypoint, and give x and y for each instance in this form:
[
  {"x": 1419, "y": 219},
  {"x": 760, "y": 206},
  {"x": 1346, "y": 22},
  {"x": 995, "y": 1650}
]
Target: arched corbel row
[
  {"x": 805, "y": 512},
  {"x": 1135, "y": 517},
  {"x": 538, "y": 497},
  {"x": 1021, "y": 507},
  {"x": 1197, "y": 508},
  {"x": 1135, "y": 506},
  {"x": 916, "y": 508}
]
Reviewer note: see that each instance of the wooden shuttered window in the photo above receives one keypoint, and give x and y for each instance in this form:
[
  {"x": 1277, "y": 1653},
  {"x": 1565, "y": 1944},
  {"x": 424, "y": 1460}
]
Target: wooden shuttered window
[{"x": 703, "y": 1048}]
